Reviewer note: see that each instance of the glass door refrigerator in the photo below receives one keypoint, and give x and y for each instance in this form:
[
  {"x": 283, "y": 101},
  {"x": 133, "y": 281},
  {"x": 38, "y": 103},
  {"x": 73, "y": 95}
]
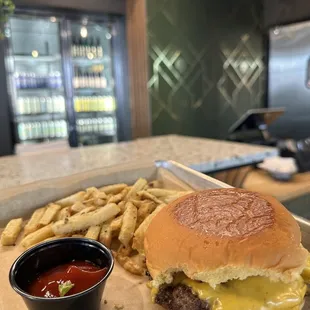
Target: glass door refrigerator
[
  {"x": 93, "y": 82},
  {"x": 67, "y": 78},
  {"x": 35, "y": 79}
]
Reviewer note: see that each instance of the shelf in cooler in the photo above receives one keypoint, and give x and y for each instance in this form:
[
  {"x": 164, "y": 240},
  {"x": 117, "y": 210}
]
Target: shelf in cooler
[
  {"x": 25, "y": 58},
  {"x": 40, "y": 117},
  {"x": 87, "y": 114},
  {"x": 29, "y": 90},
  {"x": 89, "y": 91},
  {"x": 88, "y": 62}
]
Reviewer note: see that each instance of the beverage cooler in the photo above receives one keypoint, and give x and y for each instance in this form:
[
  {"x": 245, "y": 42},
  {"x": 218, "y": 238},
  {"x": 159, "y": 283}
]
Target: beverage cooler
[{"x": 61, "y": 79}]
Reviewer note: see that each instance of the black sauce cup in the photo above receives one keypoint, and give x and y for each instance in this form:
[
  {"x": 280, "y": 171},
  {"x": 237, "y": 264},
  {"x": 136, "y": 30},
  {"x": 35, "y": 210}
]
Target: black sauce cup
[{"x": 51, "y": 254}]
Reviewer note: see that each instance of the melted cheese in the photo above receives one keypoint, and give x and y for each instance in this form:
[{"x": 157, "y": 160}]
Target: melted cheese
[
  {"x": 253, "y": 293},
  {"x": 306, "y": 272}
]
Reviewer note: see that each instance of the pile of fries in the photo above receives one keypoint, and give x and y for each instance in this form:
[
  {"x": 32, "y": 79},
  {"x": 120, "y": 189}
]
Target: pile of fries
[{"x": 115, "y": 215}]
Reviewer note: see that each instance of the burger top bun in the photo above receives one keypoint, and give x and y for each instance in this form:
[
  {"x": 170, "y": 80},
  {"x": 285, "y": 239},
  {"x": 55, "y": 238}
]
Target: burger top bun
[{"x": 221, "y": 234}]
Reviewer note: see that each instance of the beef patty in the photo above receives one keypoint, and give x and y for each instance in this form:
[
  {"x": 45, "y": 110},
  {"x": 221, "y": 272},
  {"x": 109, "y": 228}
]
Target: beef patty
[{"x": 179, "y": 297}]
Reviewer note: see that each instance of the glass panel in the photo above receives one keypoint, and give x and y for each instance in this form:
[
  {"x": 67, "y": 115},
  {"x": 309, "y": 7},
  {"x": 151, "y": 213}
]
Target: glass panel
[
  {"x": 35, "y": 77},
  {"x": 93, "y": 84}
]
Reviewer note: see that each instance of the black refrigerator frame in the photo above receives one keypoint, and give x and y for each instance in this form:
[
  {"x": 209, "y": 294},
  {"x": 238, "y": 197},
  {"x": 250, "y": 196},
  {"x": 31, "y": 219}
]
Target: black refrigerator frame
[{"x": 119, "y": 68}]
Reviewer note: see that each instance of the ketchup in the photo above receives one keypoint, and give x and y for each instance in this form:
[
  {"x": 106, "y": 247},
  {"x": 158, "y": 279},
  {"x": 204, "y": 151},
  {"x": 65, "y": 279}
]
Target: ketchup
[{"x": 80, "y": 275}]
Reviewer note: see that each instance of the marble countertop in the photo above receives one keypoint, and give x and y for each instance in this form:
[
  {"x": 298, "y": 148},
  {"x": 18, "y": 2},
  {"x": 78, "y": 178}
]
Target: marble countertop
[{"x": 204, "y": 155}]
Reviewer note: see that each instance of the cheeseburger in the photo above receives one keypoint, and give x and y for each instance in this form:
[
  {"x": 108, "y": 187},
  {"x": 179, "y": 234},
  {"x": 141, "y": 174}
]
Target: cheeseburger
[{"x": 227, "y": 249}]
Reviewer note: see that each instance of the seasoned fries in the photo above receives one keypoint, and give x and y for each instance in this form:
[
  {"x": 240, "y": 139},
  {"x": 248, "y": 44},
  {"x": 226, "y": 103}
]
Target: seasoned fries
[
  {"x": 105, "y": 236},
  {"x": 116, "y": 215},
  {"x": 63, "y": 213},
  {"x": 37, "y": 236},
  {"x": 70, "y": 200},
  {"x": 129, "y": 223},
  {"x": 11, "y": 232},
  {"x": 138, "y": 240},
  {"x": 84, "y": 221},
  {"x": 113, "y": 189},
  {"x": 93, "y": 232},
  {"x": 33, "y": 223},
  {"x": 138, "y": 186},
  {"x": 49, "y": 214}
]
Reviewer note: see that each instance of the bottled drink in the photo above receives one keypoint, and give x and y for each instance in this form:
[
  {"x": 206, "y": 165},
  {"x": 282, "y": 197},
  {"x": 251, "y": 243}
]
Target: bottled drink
[
  {"x": 17, "y": 80},
  {"x": 87, "y": 48},
  {"x": 22, "y": 132},
  {"x": 49, "y": 105},
  {"x": 99, "y": 49},
  {"x": 91, "y": 80},
  {"x": 74, "y": 47},
  {"x": 82, "y": 48},
  {"x": 93, "y": 47}
]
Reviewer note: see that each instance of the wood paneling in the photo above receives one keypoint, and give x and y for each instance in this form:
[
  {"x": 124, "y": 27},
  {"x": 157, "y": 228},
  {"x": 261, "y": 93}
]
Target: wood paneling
[{"x": 138, "y": 68}]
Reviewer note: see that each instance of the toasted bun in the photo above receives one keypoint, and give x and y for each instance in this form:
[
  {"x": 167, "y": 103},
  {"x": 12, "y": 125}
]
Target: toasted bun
[{"x": 218, "y": 235}]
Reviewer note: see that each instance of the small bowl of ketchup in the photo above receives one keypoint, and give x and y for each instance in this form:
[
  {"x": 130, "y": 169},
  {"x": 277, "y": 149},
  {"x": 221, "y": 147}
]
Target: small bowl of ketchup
[{"x": 68, "y": 274}]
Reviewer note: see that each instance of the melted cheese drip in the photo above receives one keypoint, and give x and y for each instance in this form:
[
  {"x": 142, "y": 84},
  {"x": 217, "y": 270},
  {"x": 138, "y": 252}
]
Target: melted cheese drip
[{"x": 253, "y": 293}]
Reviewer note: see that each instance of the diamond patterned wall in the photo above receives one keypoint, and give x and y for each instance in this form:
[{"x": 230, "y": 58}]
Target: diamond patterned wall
[{"x": 206, "y": 64}]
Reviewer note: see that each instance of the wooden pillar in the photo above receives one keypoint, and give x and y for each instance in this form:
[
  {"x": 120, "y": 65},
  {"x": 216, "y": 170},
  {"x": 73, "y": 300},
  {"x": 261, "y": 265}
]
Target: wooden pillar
[{"x": 138, "y": 67}]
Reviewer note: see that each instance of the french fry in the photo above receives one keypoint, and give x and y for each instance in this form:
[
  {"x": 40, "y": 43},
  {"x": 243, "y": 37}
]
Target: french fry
[
  {"x": 116, "y": 198},
  {"x": 122, "y": 205},
  {"x": 86, "y": 210},
  {"x": 138, "y": 186},
  {"x": 11, "y": 231},
  {"x": 176, "y": 196},
  {"x": 49, "y": 214},
  {"x": 38, "y": 236},
  {"x": 84, "y": 221},
  {"x": 93, "y": 232},
  {"x": 113, "y": 189},
  {"x": 160, "y": 192},
  {"x": 116, "y": 225},
  {"x": 124, "y": 250},
  {"x": 71, "y": 200},
  {"x": 129, "y": 224},
  {"x": 130, "y": 265},
  {"x": 33, "y": 223},
  {"x": 147, "y": 195},
  {"x": 105, "y": 236},
  {"x": 145, "y": 210},
  {"x": 155, "y": 184},
  {"x": 63, "y": 213},
  {"x": 90, "y": 192},
  {"x": 138, "y": 239},
  {"x": 78, "y": 236},
  {"x": 98, "y": 202},
  {"x": 77, "y": 207}
]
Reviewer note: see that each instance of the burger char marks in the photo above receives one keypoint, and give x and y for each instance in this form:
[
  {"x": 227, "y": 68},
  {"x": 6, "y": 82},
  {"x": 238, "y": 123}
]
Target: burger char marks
[
  {"x": 225, "y": 213},
  {"x": 179, "y": 297}
]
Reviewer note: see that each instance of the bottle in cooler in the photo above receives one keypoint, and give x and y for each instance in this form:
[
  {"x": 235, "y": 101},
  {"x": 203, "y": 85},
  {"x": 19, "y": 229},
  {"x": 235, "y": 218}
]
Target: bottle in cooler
[
  {"x": 64, "y": 129},
  {"x": 58, "y": 79},
  {"x": 27, "y": 108},
  {"x": 22, "y": 132},
  {"x": 99, "y": 49},
  {"x": 93, "y": 47},
  {"x": 20, "y": 106},
  {"x": 103, "y": 81},
  {"x": 49, "y": 105},
  {"x": 43, "y": 104},
  {"x": 97, "y": 81},
  {"x": 17, "y": 80}
]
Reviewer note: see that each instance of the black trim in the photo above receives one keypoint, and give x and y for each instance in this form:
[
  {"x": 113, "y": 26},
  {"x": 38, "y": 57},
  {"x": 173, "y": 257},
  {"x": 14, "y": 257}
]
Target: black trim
[{"x": 120, "y": 70}]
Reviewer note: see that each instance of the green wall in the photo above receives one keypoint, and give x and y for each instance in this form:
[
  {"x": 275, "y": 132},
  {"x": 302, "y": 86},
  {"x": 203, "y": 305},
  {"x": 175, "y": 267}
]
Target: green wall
[{"x": 205, "y": 63}]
